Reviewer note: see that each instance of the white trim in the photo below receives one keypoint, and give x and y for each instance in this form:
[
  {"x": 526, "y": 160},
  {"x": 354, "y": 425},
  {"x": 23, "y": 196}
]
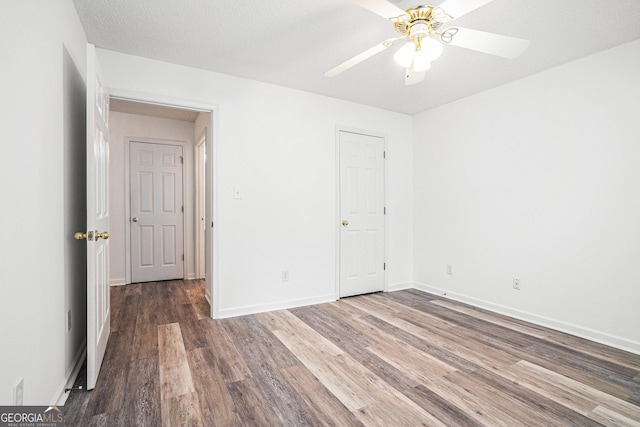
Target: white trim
[
  {"x": 281, "y": 305},
  {"x": 186, "y": 169},
  {"x": 202, "y": 139},
  {"x": 384, "y": 136},
  {"x": 569, "y": 328},
  {"x": 120, "y": 281},
  {"x": 70, "y": 376},
  {"x": 392, "y": 287},
  {"x": 212, "y": 283}
]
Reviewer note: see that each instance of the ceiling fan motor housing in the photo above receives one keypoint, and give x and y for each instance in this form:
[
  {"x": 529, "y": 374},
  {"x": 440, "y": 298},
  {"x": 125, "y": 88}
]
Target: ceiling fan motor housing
[{"x": 417, "y": 23}]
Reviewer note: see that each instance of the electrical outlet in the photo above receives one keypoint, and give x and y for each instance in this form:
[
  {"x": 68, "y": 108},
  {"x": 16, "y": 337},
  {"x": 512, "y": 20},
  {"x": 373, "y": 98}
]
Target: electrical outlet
[
  {"x": 450, "y": 269},
  {"x": 68, "y": 320},
  {"x": 516, "y": 284},
  {"x": 18, "y": 393},
  {"x": 285, "y": 275}
]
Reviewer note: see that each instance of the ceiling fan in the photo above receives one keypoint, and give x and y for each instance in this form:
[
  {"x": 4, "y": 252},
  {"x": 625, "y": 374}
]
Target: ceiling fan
[{"x": 423, "y": 26}]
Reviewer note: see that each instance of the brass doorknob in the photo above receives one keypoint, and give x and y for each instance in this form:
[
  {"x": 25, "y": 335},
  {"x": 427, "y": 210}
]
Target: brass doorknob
[
  {"x": 345, "y": 222},
  {"x": 104, "y": 235},
  {"x": 80, "y": 235}
]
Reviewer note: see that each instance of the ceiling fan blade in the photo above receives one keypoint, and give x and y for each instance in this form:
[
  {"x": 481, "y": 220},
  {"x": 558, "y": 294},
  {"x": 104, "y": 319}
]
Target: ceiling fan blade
[
  {"x": 494, "y": 44},
  {"x": 362, "y": 56},
  {"x": 458, "y": 8},
  {"x": 412, "y": 77},
  {"x": 382, "y": 8}
]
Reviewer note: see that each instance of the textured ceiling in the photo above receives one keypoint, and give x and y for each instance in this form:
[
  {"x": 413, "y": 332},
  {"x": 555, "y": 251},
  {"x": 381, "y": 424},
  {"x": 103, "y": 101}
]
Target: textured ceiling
[{"x": 293, "y": 42}]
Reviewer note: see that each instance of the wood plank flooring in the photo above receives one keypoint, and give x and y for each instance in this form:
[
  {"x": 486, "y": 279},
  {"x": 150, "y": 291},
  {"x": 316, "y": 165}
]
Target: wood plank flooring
[{"x": 404, "y": 358}]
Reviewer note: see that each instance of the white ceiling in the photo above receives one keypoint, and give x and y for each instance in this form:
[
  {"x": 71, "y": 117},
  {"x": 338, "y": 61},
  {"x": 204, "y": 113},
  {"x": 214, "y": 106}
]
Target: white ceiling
[{"x": 293, "y": 42}]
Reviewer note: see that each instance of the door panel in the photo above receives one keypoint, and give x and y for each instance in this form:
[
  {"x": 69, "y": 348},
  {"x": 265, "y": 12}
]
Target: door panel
[
  {"x": 157, "y": 229},
  {"x": 362, "y": 236},
  {"x": 98, "y": 304}
]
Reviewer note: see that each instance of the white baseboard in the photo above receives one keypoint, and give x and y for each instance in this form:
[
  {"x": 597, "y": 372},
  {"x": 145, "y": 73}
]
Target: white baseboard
[
  {"x": 117, "y": 281},
  {"x": 282, "y": 305},
  {"x": 579, "y": 331},
  {"x": 399, "y": 286},
  {"x": 70, "y": 376}
]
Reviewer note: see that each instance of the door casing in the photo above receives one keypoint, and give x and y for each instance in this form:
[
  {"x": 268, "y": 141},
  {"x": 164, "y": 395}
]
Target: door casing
[{"x": 211, "y": 194}]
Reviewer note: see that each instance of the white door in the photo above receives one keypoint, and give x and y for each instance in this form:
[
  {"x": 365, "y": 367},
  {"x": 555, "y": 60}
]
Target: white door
[
  {"x": 157, "y": 230},
  {"x": 98, "y": 304},
  {"x": 362, "y": 236}
]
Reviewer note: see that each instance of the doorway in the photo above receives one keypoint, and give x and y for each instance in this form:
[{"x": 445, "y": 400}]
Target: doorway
[
  {"x": 362, "y": 235},
  {"x": 198, "y": 120}
]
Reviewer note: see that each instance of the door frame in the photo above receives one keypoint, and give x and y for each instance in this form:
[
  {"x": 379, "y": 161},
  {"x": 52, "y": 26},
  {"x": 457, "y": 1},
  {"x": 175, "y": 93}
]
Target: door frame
[
  {"x": 338, "y": 218},
  {"x": 200, "y": 141},
  {"x": 212, "y": 237},
  {"x": 186, "y": 168}
]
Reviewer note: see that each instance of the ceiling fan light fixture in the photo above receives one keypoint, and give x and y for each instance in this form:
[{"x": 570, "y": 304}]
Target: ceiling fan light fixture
[
  {"x": 404, "y": 55},
  {"x": 432, "y": 48},
  {"x": 421, "y": 61}
]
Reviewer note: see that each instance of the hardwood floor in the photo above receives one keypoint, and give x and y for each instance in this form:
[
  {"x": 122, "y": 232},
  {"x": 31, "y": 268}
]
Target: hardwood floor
[{"x": 404, "y": 358}]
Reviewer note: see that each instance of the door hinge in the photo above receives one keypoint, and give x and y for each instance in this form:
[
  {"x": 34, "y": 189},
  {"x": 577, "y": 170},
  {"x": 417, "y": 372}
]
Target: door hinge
[
  {"x": 384, "y": 266},
  {"x": 384, "y": 210},
  {"x": 384, "y": 154},
  {"x": 211, "y": 224},
  {"x": 181, "y": 159},
  {"x": 183, "y": 257},
  {"x": 183, "y": 209}
]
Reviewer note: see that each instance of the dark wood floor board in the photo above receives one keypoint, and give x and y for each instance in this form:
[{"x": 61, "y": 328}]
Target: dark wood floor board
[
  {"x": 584, "y": 364},
  {"x": 481, "y": 327},
  {"x": 251, "y": 405},
  {"x": 441, "y": 408},
  {"x": 200, "y": 305},
  {"x": 493, "y": 318},
  {"x": 541, "y": 404},
  {"x": 216, "y": 404},
  {"x": 504, "y": 401},
  {"x": 110, "y": 396},
  {"x": 387, "y": 359},
  {"x": 445, "y": 339},
  {"x": 448, "y": 357},
  {"x": 333, "y": 328},
  {"x": 325, "y": 406},
  {"x": 613, "y": 366},
  {"x": 145, "y": 337},
  {"x": 256, "y": 344},
  {"x": 195, "y": 334},
  {"x": 309, "y": 346},
  {"x": 377, "y": 304},
  {"x": 597, "y": 397},
  {"x": 231, "y": 365},
  {"x": 505, "y": 346},
  {"x": 140, "y": 407}
]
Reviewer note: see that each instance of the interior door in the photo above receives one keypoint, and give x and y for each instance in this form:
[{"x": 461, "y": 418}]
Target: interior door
[
  {"x": 362, "y": 235},
  {"x": 98, "y": 304},
  {"x": 157, "y": 228}
]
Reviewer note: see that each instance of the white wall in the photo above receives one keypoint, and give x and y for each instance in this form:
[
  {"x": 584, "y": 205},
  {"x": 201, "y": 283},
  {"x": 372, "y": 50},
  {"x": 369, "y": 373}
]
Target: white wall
[
  {"x": 538, "y": 179},
  {"x": 42, "y": 110},
  {"x": 278, "y": 147},
  {"x": 122, "y": 127}
]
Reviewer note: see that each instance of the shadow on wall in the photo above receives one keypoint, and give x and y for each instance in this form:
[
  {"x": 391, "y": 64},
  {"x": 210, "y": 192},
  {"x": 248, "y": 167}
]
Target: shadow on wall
[{"x": 75, "y": 208}]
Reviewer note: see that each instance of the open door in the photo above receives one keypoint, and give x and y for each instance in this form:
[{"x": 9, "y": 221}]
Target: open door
[{"x": 98, "y": 304}]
